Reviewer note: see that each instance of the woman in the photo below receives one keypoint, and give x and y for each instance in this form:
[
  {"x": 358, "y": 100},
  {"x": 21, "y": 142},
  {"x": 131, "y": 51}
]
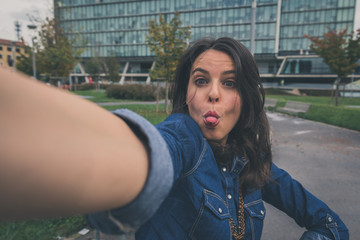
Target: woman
[
  {"x": 202, "y": 173},
  {"x": 219, "y": 183}
]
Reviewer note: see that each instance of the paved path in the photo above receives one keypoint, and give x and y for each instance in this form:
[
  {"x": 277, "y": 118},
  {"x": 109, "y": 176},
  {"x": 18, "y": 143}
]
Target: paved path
[{"x": 325, "y": 159}]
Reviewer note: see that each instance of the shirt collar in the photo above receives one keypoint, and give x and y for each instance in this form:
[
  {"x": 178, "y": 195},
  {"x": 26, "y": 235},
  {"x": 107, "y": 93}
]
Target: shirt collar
[{"x": 238, "y": 164}]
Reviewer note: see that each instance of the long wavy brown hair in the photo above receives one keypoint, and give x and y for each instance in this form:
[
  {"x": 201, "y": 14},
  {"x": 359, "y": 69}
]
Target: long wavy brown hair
[{"x": 250, "y": 136}]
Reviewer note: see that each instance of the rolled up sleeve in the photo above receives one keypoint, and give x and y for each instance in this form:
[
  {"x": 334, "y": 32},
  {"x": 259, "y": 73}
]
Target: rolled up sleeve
[{"x": 160, "y": 178}]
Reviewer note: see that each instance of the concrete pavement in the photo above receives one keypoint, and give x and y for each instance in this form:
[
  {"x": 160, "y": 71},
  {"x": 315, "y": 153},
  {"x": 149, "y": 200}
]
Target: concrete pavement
[{"x": 326, "y": 160}]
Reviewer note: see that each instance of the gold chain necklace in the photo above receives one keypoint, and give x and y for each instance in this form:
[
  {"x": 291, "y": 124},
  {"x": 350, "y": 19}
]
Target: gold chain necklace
[{"x": 239, "y": 232}]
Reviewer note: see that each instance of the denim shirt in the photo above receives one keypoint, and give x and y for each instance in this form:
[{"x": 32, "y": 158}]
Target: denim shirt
[{"x": 189, "y": 196}]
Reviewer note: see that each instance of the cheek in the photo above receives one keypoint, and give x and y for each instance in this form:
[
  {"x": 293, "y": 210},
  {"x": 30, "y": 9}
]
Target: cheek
[
  {"x": 236, "y": 103},
  {"x": 190, "y": 95}
]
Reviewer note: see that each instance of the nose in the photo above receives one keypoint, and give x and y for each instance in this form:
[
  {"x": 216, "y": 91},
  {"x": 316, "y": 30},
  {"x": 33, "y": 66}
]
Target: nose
[
  {"x": 214, "y": 93},
  {"x": 211, "y": 99}
]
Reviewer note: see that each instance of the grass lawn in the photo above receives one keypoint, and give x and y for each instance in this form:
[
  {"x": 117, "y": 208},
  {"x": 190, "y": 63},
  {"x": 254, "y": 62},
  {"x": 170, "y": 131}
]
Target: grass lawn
[
  {"x": 97, "y": 96},
  {"x": 321, "y": 110},
  {"x": 147, "y": 111},
  {"x": 41, "y": 229},
  {"x": 317, "y": 100}
]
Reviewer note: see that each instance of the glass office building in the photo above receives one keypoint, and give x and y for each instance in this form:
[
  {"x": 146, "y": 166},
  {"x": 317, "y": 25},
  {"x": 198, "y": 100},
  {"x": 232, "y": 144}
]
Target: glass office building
[{"x": 119, "y": 27}]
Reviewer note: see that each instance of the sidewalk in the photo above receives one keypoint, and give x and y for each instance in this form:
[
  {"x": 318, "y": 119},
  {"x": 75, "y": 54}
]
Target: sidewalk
[{"x": 325, "y": 159}]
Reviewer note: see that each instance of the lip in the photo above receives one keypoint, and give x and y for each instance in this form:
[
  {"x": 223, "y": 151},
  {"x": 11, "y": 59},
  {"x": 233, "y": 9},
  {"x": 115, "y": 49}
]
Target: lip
[
  {"x": 211, "y": 114},
  {"x": 211, "y": 119}
]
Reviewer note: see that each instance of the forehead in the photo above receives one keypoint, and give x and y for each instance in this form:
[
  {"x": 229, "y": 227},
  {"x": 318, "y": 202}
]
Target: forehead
[{"x": 211, "y": 59}]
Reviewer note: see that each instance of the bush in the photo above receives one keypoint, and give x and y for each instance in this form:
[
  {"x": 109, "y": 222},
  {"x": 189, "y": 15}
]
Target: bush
[
  {"x": 307, "y": 92},
  {"x": 317, "y": 92},
  {"x": 88, "y": 86},
  {"x": 276, "y": 91},
  {"x": 83, "y": 86},
  {"x": 133, "y": 92}
]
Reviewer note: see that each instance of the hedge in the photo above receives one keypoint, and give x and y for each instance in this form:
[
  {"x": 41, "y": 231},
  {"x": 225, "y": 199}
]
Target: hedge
[{"x": 140, "y": 92}]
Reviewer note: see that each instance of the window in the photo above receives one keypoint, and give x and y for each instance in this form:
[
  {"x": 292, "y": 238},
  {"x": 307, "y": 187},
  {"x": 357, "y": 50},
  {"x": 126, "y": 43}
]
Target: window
[
  {"x": 0, "y": 56},
  {"x": 10, "y": 61},
  {"x": 9, "y": 49},
  {"x": 0, "y": 48},
  {"x": 271, "y": 69},
  {"x": 305, "y": 66}
]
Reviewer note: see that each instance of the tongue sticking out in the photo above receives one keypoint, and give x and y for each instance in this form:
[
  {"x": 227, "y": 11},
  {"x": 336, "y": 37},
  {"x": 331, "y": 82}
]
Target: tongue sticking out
[{"x": 211, "y": 120}]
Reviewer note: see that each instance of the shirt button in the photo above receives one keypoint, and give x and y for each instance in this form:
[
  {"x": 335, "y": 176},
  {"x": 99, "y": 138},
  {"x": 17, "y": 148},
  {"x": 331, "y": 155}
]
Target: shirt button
[
  {"x": 229, "y": 196},
  {"x": 220, "y": 210},
  {"x": 262, "y": 212},
  {"x": 224, "y": 169},
  {"x": 330, "y": 219}
]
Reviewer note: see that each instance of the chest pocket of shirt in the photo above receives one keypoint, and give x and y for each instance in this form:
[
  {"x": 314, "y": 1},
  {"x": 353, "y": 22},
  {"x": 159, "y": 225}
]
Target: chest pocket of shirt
[
  {"x": 256, "y": 212},
  {"x": 212, "y": 221}
]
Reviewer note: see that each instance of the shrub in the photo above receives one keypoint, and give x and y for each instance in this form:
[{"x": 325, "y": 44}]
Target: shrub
[
  {"x": 276, "y": 91},
  {"x": 317, "y": 92},
  {"x": 84, "y": 86},
  {"x": 88, "y": 86},
  {"x": 307, "y": 92},
  {"x": 133, "y": 91}
]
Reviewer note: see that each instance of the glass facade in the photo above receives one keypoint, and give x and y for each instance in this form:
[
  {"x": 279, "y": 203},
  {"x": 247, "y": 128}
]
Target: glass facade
[
  {"x": 110, "y": 27},
  {"x": 105, "y": 28},
  {"x": 312, "y": 18},
  {"x": 305, "y": 65}
]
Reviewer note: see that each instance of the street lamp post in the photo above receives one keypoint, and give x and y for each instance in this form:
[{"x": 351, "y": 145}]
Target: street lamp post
[
  {"x": 33, "y": 27},
  {"x": 13, "y": 43},
  {"x": 253, "y": 23}
]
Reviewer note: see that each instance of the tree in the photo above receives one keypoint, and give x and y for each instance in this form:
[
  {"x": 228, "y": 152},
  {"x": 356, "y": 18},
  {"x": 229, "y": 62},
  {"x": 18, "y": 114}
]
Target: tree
[
  {"x": 24, "y": 63},
  {"x": 94, "y": 67},
  {"x": 112, "y": 69},
  {"x": 55, "y": 55},
  {"x": 340, "y": 50},
  {"x": 168, "y": 42}
]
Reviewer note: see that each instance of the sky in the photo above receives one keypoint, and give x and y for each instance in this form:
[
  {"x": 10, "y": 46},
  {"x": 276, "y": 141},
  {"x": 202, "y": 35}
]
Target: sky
[{"x": 23, "y": 10}]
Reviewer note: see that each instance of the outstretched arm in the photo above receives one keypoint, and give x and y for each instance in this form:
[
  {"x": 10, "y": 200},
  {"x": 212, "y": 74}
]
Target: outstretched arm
[
  {"x": 288, "y": 195},
  {"x": 62, "y": 155}
]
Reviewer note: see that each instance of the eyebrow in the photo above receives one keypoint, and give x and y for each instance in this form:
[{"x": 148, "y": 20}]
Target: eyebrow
[{"x": 207, "y": 72}]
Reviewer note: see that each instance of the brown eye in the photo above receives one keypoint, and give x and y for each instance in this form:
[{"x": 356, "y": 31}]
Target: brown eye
[
  {"x": 230, "y": 84},
  {"x": 200, "y": 81}
]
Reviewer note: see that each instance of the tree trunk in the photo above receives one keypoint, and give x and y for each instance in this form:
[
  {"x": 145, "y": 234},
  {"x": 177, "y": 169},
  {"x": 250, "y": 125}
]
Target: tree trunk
[
  {"x": 167, "y": 88},
  {"x": 157, "y": 95},
  {"x": 166, "y": 96},
  {"x": 337, "y": 83},
  {"x": 76, "y": 82},
  {"x": 343, "y": 96}
]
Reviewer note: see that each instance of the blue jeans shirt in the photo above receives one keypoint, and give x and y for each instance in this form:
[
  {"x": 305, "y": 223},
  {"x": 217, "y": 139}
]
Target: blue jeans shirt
[{"x": 189, "y": 196}]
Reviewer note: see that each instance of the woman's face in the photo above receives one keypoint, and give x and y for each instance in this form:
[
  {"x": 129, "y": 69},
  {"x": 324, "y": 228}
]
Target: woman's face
[{"x": 212, "y": 97}]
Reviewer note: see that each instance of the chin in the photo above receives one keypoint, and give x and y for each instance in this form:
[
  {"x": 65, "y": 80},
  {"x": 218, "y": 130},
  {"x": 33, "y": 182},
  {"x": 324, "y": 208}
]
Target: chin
[{"x": 215, "y": 139}]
